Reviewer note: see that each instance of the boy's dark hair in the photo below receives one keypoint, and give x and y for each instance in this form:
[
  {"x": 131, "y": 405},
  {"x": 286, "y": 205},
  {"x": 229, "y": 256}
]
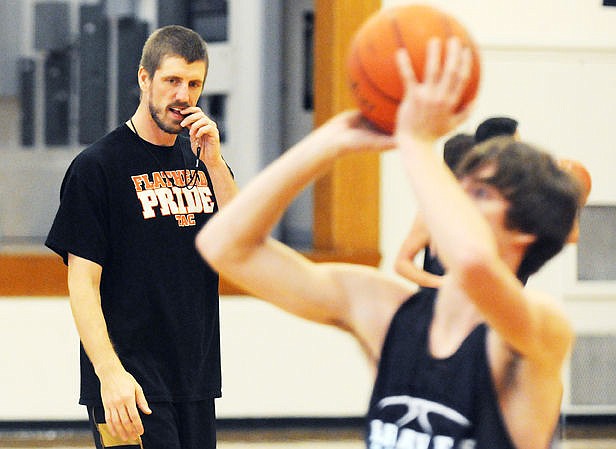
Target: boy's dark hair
[
  {"x": 494, "y": 127},
  {"x": 173, "y": 40},
  {"x": 456, "y": 147},
  {"x": 543, "y": 199}
]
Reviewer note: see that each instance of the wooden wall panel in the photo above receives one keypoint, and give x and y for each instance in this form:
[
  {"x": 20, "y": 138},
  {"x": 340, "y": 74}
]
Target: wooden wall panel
[
  {"x": 32, "y": 275},
  {"x": 347, "y": 199}
]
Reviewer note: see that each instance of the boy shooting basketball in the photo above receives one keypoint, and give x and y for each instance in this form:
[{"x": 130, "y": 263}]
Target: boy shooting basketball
[{"x": 474, "y": 364}]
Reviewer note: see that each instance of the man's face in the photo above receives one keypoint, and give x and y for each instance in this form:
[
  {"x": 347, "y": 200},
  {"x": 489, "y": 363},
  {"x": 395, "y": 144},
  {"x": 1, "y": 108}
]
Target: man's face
[{"x": 176, "y": 85}]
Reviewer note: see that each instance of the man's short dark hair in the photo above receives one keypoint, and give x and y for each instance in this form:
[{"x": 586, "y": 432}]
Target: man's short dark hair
[
  {"x": 494, "y": 127},
  {"x": 173, "y": 40}
]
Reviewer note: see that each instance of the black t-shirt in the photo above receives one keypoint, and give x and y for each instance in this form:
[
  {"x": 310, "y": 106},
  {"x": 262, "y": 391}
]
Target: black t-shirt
[
  {"x": 120, "y": 209},
  {"x": 419, "y": 401}
]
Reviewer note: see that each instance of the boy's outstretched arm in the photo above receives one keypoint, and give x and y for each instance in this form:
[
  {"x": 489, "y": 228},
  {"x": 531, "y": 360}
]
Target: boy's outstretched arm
[{"x": 237, "y": 241}]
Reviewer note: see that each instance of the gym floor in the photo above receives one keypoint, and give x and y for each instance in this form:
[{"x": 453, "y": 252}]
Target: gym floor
[{"x": 574, "y": 437}]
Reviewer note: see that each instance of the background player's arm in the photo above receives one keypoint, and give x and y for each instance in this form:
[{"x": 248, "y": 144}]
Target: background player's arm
[
  {"x": 120, "y": 392},
  {"x": 236, "y": 241},
  {"x": 417, "y": 240}
]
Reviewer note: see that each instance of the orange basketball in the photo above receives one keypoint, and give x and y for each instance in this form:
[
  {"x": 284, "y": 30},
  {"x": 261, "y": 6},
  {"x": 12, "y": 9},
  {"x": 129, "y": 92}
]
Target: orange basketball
[
  {"x": 577, "y": 169},
  {"x": 372, "y": 69}
]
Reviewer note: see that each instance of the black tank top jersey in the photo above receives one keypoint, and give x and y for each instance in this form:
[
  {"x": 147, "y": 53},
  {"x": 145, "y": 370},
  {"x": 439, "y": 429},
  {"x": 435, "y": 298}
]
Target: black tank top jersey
[
  {"x": 431, "y": 263},
  {"x": 420, "y": 402}
]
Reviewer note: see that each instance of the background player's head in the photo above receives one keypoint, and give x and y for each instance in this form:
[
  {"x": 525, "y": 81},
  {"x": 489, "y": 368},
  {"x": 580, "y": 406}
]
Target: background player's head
[
  {"x": 495, "y": 127},
  {"x": 543, "y": 199},
  {"x": 456, "y": 147}
]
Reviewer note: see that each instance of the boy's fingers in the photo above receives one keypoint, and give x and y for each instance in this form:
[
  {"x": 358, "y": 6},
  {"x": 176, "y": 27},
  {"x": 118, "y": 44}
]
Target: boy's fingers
[
  {"x": 432, "y": 68},
  {"x": 405, "y": 67}
]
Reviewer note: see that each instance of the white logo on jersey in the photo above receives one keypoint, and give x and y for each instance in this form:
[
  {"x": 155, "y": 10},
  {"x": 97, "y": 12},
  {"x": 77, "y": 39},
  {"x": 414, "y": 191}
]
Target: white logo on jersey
[{"x": 385, "y": 435}]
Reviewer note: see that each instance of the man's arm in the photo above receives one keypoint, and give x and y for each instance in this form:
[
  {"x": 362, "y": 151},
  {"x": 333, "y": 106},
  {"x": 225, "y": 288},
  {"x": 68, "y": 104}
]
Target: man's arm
[
  {"x": 121, "y": 394},
  {"x": 204, "y": 134},
  {"x": 223, "y": 183}
]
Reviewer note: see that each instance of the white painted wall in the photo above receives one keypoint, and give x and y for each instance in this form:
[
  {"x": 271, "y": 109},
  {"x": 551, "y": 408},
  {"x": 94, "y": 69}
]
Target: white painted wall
[
  {"x": 273, "y": 364},
  {"x": 39, "y": 374},
  {"x": 558, "y": 80},
  {"x": 532, "y": 23}
]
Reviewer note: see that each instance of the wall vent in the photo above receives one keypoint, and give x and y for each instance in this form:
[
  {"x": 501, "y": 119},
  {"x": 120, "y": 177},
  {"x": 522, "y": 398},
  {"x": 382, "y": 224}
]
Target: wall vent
[{"x": 593, "y": 373}]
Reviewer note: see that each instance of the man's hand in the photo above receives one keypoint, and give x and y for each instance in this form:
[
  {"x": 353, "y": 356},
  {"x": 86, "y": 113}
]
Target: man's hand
[
  {"x": 121, "y": 395},
  {"x": 203, "y": 133}
]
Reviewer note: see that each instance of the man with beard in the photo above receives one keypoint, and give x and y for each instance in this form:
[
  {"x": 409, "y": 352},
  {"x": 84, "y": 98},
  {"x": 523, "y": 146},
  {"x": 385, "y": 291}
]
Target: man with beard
[{"x": 144, "y": 303}]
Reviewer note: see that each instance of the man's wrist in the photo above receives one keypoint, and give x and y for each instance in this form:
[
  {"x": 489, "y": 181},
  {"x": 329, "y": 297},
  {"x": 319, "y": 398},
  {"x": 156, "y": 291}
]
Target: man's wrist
[{"x": 106, "y": 366}]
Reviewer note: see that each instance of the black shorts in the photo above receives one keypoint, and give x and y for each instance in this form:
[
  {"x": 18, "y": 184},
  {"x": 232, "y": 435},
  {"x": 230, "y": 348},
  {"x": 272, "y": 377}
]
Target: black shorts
[{"x": 177, "y": 425}]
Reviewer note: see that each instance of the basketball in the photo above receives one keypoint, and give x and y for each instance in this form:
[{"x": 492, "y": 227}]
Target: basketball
[
  {"x": 580, "y": 173},
  {"x": 371, "y": 65}
]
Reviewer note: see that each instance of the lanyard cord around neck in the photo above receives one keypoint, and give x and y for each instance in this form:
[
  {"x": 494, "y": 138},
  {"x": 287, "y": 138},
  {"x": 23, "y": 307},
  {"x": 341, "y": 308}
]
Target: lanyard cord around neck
[{"x": 189, "y": 183}]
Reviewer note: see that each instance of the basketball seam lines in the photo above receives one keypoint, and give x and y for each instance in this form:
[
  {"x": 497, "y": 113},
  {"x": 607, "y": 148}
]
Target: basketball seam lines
[{"x": 386, "y": 96}]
